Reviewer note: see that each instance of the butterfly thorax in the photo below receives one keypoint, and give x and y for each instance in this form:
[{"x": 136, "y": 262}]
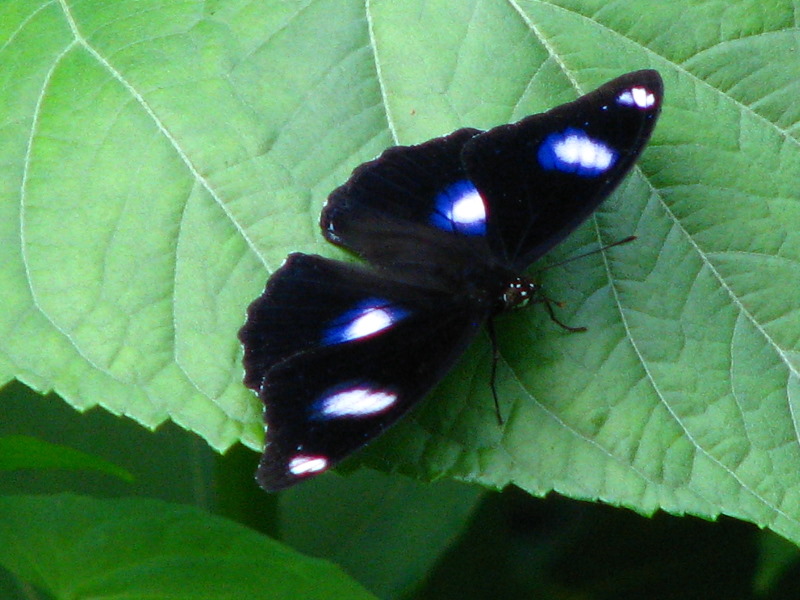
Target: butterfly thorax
[{"x": 497, "y": 288}]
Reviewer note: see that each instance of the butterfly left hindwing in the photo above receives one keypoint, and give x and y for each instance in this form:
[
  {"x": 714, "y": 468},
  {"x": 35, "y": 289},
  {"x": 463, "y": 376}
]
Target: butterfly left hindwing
[{"x": 414, "y": 211}]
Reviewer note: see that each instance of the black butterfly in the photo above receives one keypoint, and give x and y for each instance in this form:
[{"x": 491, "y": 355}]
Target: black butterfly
[{"x": 338, "y": 352}]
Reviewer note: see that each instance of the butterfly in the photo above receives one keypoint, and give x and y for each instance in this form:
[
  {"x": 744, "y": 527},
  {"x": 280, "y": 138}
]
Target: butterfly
[{"x": 338, "y": 351}]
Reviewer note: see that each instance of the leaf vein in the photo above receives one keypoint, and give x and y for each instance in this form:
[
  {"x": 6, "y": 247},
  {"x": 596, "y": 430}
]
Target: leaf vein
[
  {"x": 378, "y": 70},
  {"x": 652, "y": 379},
  {"x": 163, "y": 129}
]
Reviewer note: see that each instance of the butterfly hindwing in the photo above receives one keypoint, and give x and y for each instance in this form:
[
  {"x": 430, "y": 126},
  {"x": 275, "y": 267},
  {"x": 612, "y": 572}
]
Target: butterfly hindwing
[
  {"x": 303, "y": 295},
  {"x": 545, "y": 174},
  {"x": 412, "y": 209},
  {"x": 366, "y": 350}
]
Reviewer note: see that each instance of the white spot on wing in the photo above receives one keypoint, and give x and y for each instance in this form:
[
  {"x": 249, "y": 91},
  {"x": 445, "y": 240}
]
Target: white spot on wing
[
  {"x": 304, "y": 464},
  {"x": 469, "y": 209},
  {"x": 366, "y": 319},
  {"x": 356, "y": 401},
  {"x": 461, "y": 209},
  {"x": 639, "y": 97},
  {"x": 573, "y": 151}
]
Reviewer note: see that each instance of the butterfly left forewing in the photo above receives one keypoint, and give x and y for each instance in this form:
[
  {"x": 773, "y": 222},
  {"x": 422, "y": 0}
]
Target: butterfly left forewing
[
  {"x": 544, "y": 175},
  {"x": 366, "y": 350},
  {"x": 509, "y": 194}
]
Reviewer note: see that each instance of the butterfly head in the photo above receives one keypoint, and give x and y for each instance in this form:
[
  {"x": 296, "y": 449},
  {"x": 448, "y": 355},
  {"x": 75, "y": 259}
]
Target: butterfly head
[{"x": 519, "y": 292}]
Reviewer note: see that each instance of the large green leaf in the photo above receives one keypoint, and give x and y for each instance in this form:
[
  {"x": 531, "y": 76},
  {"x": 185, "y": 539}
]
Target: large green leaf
[
  {"x": 76, "y": 547},
  {"x": 25, "y": 452},
  {"x": 158, "y": 160},
  {"x": 386, "y": 531}
]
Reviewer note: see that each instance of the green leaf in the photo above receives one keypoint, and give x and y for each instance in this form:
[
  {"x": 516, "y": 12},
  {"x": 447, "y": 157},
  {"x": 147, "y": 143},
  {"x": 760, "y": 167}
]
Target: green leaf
[
  {"x": 158, "y": 160},
  {"x": 776, "y": 557},
  {"x": 386, "y": 531},
  {"x": 24, "y": 452},
  {"x": 77, "y": 547},
  {"x": 169, "y": 464}
]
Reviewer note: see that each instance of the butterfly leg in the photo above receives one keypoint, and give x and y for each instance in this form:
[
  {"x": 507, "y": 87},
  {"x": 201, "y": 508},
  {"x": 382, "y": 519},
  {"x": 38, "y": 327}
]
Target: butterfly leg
[
  {"x": 548, "y": 304},
  {"x": 493, "y": 377}
]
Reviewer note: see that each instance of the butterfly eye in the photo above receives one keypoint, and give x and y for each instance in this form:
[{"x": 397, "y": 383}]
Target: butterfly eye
[
  {"x": 354, "y": 401},
  {"x": 575, "y": 152},
  {"x": 367, "y": 318},
  {"x": 460, "y": 209},
  {"x": 640, "y": 97}
]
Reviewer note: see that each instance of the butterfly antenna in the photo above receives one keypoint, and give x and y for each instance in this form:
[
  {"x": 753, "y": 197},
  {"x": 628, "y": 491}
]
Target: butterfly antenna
[
  {"x": 493, "y": 377},
  {"x": 626, "y": 240},
  {"x": 549, "y": 302}
]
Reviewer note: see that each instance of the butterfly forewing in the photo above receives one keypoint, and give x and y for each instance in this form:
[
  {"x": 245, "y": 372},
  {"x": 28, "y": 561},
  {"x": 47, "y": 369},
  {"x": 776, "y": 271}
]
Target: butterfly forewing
[
  {"x": 357, "y": 365},
  {"x": 546, "y": 174}
]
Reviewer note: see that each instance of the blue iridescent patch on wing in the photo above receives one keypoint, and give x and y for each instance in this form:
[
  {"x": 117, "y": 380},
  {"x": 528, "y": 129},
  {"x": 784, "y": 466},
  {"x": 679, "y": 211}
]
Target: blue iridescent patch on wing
[
  {"x": 573, "y": 151},
  {"x": 459, "y": 208},
  {"x": 363, "y": 320}
]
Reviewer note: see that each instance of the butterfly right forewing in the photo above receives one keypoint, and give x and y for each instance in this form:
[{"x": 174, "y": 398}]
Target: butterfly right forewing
[{"x": 339, "y": 354}]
